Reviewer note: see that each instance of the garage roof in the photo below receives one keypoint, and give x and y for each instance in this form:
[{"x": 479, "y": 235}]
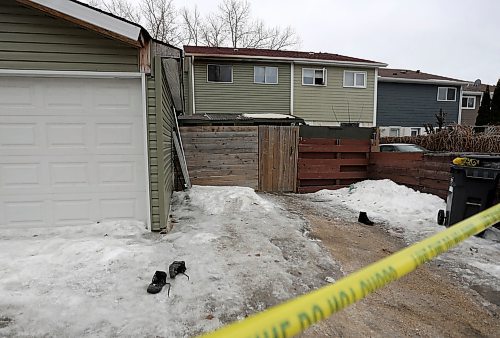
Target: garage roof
[{"x": 93, "y": 19}]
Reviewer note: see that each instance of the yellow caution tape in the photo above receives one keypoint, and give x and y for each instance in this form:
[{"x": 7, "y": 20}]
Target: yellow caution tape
[{"x": 294, "y": 316}]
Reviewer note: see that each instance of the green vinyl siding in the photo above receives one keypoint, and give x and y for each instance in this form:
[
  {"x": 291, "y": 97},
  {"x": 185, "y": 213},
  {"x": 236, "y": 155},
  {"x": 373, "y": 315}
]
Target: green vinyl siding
[
  {"x": 167, "y": 122},
  {"x": 161, "y": 122},
  {"x": 30, "y": 39},
  {"x": 242, "y": 95},
  {"x": 153, "y": 154},
  {"x": 314, "y": 103}
]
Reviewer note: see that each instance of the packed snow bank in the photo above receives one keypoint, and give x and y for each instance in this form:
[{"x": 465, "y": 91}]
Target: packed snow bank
[
  {"x": 386, "y": 201},
  {"x": 243, "y": 253},
  {"x": 412, "y": 215}
]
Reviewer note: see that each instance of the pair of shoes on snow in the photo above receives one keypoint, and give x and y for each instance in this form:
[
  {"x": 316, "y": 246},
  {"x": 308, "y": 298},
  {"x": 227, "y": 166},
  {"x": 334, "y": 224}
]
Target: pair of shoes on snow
[{"x": 160, "y": 277}]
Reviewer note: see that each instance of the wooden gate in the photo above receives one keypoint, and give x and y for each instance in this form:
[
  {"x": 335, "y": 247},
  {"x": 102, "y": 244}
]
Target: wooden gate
[{"x": 278, "y": 153}]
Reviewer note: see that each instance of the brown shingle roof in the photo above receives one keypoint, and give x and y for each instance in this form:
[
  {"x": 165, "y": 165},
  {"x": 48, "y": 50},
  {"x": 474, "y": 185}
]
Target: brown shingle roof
[
  {"x": 269, "y": 53},
  {"x": 411, "y": 74},
  {"x": 480, "y": 88}
]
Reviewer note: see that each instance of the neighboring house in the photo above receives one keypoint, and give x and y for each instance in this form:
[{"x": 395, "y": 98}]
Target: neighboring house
[
  {"x": 471, "y": 100},
  {"x": 321, "y": 88},
  {"x": 409, "y": 99},
  {"x": 82, "y": 96}
]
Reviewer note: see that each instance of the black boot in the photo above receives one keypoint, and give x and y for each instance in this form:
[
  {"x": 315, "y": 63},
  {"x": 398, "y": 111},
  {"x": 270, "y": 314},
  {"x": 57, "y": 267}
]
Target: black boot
[
  {"x": 363, "y": 218},
  {"x": 158, "y": 282},
  {"x": 176, "y": 268}
]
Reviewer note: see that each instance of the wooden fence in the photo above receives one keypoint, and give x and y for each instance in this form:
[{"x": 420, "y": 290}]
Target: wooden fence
[
  {"x": 222, "y": 155},
  {"x": 326, "y": 163},
  {"x": 260, "y": 157},
  {"x": 428, "y": 173},
  {"x": 278, "y": 158},
  {"x": 274, "y": 159}
]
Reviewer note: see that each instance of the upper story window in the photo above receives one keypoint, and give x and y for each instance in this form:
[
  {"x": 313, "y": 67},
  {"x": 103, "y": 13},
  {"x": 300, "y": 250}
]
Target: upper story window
[
  {"x": 220, "y": 73},
  {"x": 447, "y": 94},
  {"x": 354, "y": 79},
  {"x": 314, "y": 76},
  {"x": 469, "y": 102},
  {"x": 267, "y": 75}
]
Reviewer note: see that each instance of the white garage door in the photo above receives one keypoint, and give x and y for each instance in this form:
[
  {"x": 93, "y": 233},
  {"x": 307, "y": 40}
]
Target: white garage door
[{"x": 71, "y": 151}]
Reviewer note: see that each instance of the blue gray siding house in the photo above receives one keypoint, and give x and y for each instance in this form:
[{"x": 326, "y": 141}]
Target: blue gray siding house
[{"x": 406, "y": 100}]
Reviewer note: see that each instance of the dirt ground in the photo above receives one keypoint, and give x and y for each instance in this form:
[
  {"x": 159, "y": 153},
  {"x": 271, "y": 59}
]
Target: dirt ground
[{"x": 429, "y": 302}]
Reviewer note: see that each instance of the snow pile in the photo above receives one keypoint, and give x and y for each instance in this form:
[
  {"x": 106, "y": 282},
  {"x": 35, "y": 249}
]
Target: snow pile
[
  {"x": 243, "y": 253},
  {"x": 387, "y": 201},
  {"x": 413, "y": 214},
  {"x": 226, "y": 200}
]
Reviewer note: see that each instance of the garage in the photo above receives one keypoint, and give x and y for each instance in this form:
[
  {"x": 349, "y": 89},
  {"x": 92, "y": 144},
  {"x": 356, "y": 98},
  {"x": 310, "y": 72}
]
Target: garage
[
  {"x": 82, "y": 96},
  {"x": 72, "y": 150}
]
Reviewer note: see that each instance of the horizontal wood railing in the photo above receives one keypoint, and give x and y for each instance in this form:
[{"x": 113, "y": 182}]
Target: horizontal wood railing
[{"x": 326, "y": 163}]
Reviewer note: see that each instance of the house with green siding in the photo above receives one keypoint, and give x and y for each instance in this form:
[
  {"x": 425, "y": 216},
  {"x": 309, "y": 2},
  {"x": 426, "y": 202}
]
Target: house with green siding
[
  {"x": 321, "y": 88},
  {"x": 88, "y": 103}
]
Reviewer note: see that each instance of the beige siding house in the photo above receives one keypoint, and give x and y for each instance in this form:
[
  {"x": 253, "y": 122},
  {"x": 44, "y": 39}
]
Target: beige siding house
[
  {"x": 86, "y": 117},
  {"x": 321, "y": 88},
  {"x": 471, "y": 100}
]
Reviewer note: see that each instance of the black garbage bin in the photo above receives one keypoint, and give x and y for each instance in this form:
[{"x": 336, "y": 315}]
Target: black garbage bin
[{"x": 473, "y": 187}]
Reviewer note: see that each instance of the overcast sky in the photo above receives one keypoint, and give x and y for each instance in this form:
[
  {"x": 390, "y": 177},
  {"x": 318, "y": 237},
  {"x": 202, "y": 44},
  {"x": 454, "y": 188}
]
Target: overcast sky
[{"x": 454, "y": 38}]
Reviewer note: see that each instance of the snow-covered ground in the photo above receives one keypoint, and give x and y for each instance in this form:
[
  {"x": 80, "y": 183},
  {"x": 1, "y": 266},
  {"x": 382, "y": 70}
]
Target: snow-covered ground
[
  {"x": 243, "y": 253},
  {"x": 412, "y": 215}
]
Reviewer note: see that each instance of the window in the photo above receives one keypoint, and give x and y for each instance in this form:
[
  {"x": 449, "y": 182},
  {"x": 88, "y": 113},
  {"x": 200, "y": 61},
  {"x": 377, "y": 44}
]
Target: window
[
  {"x": 447, "y": 94},
  {"x": 314, "y": 77},
  {"x": 469, "y": 102},
  {"x": 267, "y": 75},
  {"x": 387, "y": 148},
  {"x": 394, "y": 132},
  {"x": 220, "y": 73},
  {"x": 415, "y": 131},
  {"x": 354, "y": 79}
]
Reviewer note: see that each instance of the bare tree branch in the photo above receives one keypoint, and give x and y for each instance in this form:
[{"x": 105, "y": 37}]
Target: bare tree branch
[
  {"x": 235, "y": 15},
  {"x": 121, "y": 8},
  {"x": 213, "y": 33},
  {"x": 230, "y": 25},
  {"x": 160, "y": 20},
  {"x": 191, "y": 26},
  {"x": 283, "y": 39}
]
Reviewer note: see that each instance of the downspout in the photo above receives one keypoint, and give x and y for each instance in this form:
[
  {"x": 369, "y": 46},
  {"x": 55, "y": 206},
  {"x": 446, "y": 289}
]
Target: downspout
[
  {"x": 183, "y": 93},
  {"x": 375, "y": 98},
  {"x": 192, "y": 84},
  {"x": 292, "y": 71},
  {"x": 460, "y": 106}
]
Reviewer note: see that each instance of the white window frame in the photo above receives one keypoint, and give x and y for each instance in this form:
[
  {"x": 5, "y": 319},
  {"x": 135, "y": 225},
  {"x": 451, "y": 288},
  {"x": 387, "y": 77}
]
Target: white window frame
[
  {"x": 398, "y": 131},
  {"x": 447, "y": 89},
  {"x": 265, "y": 78},
  {"x": 468, "y": 97},
  {"x": 218, "y": 64},
  {"x": 365, "y": 75},
  {"x": 416, "y": 130},
  {"x": 314, "y": 71}
]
